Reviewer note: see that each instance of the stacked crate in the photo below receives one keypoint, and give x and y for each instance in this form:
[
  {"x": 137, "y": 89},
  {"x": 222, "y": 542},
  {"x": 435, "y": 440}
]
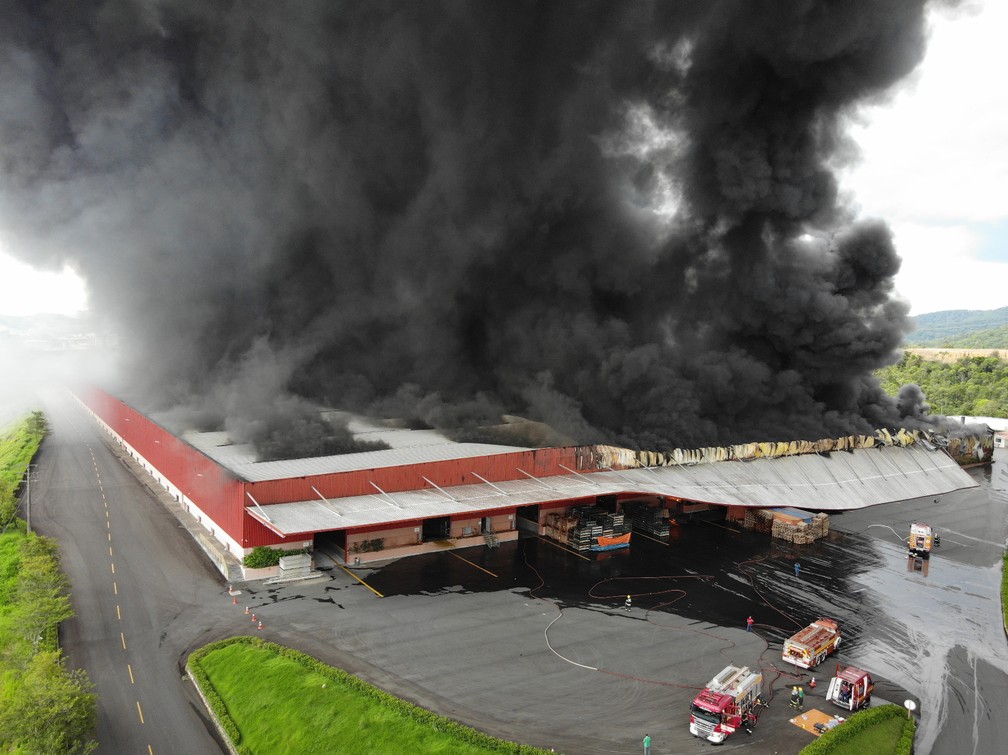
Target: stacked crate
[
  {"x": 647, "y": 519},
  {"x": 583, "y": 525}
]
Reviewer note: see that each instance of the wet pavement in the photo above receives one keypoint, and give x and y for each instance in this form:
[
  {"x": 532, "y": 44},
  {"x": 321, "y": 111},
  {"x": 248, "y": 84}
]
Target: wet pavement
[{"x": 531, "y": 642}]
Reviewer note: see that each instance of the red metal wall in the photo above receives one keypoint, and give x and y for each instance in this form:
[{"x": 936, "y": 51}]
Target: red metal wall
[
  {"x": 221, "y": 495},
  {"x": 217, "y": 492}
]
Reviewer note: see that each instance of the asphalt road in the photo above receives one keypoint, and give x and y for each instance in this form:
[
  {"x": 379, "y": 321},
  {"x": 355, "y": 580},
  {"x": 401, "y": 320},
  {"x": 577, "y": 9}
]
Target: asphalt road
[
  {"x": 530, "y": 642},
  {"x": 141, "y": 591}
]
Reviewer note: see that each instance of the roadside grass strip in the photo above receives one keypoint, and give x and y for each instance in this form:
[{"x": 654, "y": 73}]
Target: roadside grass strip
[
  {"x": 272, "y": 699},
  {"x": 885, "y": 730}
]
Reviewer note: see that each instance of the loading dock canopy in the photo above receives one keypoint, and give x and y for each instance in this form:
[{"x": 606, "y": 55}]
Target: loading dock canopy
[{"x": 837, "y": 481}]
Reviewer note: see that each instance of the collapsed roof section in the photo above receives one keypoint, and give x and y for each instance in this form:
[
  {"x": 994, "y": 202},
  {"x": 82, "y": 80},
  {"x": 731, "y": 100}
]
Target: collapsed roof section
[{"x": 852, "y": 478}]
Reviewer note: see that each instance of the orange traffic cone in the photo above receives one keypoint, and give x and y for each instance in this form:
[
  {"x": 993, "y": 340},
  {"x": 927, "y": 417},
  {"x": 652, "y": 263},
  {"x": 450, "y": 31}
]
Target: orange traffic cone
[
  {"x": 253, "y": 617},
  {"x": 812, "y": 683},
  {"x": 246, "y": 610},
  {"x": 260, "y": 625}
]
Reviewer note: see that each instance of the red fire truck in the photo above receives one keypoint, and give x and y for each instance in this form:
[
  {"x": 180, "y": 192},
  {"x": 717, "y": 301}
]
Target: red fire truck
[
  {"x": 728, "y": 702},
  {"x": 851, "y": 688},
  {"x": 808, "y": 647}
]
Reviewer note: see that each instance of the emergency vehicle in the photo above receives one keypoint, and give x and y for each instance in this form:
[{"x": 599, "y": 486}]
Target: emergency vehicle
[
  {"x": 808, "y": 647},
  {"x": 922, "y": 538},
  {"x": 851, "y": 688},
  {"x": 729, "y": 701}
]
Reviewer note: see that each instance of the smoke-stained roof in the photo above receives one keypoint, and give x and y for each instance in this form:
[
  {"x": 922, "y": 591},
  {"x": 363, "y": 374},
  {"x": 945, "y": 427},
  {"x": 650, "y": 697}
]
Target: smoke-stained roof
[
  {"x": 406, "y": 447},
  {"x": 834, "y": 482}
]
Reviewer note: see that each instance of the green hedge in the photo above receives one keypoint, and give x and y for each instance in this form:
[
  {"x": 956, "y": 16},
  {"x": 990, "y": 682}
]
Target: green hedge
[
  {"x": 1004, "y": 590},
  {"x": 861, "y": 721},
  {"x": 439, "y": 723},
  {"x": 262, "y": 556}
]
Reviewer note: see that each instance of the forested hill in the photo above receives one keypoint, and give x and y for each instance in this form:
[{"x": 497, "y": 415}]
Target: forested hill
[{"x": 962, "y": 328}]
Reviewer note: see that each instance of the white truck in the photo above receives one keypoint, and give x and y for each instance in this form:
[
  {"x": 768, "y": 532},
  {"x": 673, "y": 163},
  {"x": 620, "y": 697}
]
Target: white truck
[
  {"x": 809, "y": 646},
  {"x": 922, "y": 539}
]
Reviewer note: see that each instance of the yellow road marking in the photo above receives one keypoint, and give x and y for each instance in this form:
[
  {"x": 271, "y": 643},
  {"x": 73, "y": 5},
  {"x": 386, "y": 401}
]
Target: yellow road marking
[
  {"x": 130, "y": 669},
  {"x": 472, "y": 564},
  {"x": 113, "y": 568},
  {"x": 149, "y": 750},
  {"x": 118, "y": 614},
  {"x": 110, "y": 547},
  {"x": 110, "y": 537},
  {"x": 561, "y": 547},
  {"x": 107, "y": 525},
  {"x": 361, "y": 581},
  {"x": 115, "y": 587},
  {"x": 123, "y": 638},
  {"x": 140, "y": 711}
]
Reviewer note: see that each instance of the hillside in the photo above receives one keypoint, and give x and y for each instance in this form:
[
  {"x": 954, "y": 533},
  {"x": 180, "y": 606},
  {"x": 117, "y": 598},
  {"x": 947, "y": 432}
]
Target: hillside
[{"x": 962, "y": 328}]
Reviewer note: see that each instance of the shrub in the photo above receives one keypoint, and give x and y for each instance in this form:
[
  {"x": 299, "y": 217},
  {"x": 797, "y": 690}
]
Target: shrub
[
  {"x": 859, "y": 722},
  {"x": 262, "y": 556}
]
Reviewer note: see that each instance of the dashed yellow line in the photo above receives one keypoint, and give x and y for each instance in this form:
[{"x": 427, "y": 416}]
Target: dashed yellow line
[
  {"x": 130, "y": 669},
  {"x": 140, "y": 711},
  {"x": 115, "y": 587},
  {"x": 113, "y": 568},
  {"x": 110, "y": 547},
  {"x": 472, "y": 564},
  {"x": 361, "y": 581},
  {"x": 118, "y": 613},
  {"x": 561, "y": 547},
  {"x": 123, "y": 638}
]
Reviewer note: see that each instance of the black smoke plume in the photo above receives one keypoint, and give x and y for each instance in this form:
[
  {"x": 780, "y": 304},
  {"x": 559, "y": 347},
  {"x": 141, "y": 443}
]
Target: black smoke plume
[{"x": 616, "y": 218}]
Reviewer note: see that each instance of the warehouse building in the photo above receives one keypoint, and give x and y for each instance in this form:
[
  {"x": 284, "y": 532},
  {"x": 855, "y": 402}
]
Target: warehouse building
[{"x": 426, "y": 492}]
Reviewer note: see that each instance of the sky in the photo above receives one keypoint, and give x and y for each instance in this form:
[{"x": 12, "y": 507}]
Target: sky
[{"x": 934, "y": 164}]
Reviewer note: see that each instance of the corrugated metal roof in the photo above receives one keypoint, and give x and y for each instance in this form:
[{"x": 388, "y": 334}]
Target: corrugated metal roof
[
  {"x": 407, "y": 447},
  {"x": 833, "y": 482}
]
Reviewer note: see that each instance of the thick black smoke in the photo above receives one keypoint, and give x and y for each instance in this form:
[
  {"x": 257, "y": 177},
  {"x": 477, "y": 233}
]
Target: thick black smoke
[{"x": 616, "y": 218}]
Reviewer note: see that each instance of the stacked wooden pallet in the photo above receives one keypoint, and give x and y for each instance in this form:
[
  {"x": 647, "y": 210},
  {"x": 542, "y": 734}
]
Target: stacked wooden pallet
[
  {"x": 761, "y": 520},
  {"x": 801, "y": 532},
  {"x": 583, "y": 525},
  {"x": 647, "y": 519}
]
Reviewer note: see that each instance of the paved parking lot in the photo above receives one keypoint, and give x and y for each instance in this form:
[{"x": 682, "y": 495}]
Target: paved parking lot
[{"x": 531, "y": 642}]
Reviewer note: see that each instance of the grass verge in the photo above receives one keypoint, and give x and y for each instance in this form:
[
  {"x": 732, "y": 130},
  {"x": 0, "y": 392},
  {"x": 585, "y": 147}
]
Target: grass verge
[{"x": 272, "y": 699}]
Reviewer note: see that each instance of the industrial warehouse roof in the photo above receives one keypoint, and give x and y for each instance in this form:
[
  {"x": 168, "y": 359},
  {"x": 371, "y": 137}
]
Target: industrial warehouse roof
[
  {"x": 406, "y": 447},
  {"x": 819, "y": 482}
]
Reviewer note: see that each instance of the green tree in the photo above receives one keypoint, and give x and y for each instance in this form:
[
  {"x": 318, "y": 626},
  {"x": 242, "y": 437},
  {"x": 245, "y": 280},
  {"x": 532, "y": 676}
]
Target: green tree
[
  {"x": 42, "y": 596},
  {"x": 37, "y": 423},
  {"x": 8, "y": 504},
  {"x": 48, "y": 709}
]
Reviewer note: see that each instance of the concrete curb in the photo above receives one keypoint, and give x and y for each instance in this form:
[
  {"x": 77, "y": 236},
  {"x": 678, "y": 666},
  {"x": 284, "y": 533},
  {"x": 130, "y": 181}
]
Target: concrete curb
[{"x": 213, "y": 716}]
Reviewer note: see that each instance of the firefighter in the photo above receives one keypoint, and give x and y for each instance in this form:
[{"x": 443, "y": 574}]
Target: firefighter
[{"x": 797, "y": 698}]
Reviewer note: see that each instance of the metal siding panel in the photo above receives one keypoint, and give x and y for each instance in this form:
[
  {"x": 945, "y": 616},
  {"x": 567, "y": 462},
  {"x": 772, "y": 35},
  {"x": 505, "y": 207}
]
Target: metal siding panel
[{"x": 201, "y": 480}]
